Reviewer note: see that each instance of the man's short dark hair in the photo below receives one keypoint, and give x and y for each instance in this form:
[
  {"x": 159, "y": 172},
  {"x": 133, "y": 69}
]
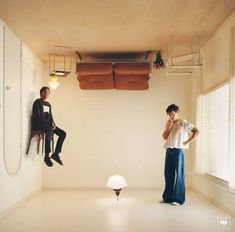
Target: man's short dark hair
[
  {"x": 171, "y": 108},
  {"x": 44, "y": 88}
]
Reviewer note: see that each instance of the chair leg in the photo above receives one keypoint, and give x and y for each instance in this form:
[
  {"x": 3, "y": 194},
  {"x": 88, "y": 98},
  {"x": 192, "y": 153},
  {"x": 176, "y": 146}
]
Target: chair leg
[
  {"x": 39, "y": 140},
  {"x": 53, "y": 144},
  {"x": 27, "y": 152},
  {"x": 43, "y": 143},
  {"x": 40, "y": 137}
]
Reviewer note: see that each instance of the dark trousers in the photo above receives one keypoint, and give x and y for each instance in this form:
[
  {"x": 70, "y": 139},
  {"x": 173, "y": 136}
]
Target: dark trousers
[
  {"x": 174, "y": 176},
  {"x": 61, "y": 137}
]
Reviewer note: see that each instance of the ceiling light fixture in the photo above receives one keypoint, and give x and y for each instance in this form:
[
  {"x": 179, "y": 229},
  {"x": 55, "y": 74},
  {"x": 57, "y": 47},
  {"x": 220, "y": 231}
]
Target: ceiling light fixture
[
  {"x": 178, "y": 73},
  {"x": 186, "y": 66},
  {"x": 190, "y": 58},
  {"x": 60, "y": 62}
]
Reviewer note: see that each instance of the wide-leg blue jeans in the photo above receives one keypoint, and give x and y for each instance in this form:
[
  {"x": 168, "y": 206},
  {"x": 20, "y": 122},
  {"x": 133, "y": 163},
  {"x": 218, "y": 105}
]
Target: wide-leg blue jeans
[{"x": 174, "y": 176}]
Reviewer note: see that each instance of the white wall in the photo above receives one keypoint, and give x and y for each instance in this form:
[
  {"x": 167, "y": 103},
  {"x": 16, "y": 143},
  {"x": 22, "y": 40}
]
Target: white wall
[
  {"x": 29, "y": 178},
  {"x": 216, "y": 56},
  {"x": 115, "y": 132}
]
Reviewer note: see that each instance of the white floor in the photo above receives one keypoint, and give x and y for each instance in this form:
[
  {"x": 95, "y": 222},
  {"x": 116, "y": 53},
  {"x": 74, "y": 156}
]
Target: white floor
[{"x": 98, "y": 211}]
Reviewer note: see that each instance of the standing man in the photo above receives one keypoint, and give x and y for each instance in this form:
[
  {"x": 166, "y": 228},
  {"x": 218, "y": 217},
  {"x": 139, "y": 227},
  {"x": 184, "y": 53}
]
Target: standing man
[
  {"x": 177, "y": 139},
  {"x": 43, "y": 120}
]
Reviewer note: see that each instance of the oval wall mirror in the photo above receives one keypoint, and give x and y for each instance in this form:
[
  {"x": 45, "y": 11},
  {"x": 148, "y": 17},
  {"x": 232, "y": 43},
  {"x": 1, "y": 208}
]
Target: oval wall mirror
[{"x": 12, "y": 102}]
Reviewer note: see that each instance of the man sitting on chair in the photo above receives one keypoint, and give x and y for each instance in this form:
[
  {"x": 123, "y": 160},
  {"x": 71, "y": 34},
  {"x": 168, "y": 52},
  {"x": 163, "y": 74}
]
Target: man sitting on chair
[{"x": 43, "y": 120}]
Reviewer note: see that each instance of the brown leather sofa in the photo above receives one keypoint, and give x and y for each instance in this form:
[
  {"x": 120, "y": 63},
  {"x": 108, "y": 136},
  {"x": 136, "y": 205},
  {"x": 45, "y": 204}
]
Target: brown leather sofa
[{"x": 122, "y": 76}]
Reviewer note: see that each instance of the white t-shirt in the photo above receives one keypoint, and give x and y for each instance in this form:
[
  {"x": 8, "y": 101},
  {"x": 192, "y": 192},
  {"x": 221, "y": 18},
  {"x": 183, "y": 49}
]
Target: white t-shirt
[{"x": 179, "y": 134}]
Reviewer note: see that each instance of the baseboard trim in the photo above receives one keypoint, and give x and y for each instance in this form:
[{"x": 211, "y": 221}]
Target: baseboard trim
[
  {"x": 72, "y": 188},
  {"x": 214, "y": 202},
  {"x": 97, "y": 188},
  {"x": 19, "y": 203}
]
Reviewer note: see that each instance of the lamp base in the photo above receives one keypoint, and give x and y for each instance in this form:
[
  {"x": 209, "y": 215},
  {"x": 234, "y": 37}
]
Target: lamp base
[{"x": 117, "y": 192}]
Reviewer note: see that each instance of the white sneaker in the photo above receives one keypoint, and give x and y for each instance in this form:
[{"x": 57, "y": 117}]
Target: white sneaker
[{"x": 175, "y": 203}]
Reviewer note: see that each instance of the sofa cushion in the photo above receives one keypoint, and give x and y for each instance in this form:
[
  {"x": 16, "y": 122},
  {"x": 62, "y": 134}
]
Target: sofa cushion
[
  {"x": 131, "y": 82},
  {"x": 87, "y": 69},
  {"x": 132, "y": 68},
  {"x": 96, "y": 82}
]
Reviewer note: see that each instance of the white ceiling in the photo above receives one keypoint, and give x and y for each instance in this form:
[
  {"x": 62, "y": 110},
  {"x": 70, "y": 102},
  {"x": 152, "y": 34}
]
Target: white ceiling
[{"x": 112, "y": 25}]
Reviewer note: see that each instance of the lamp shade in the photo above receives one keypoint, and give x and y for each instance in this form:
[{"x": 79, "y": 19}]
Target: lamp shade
[
  {"x": 53, "y": 84},
  {"x": 53, "y": 77},
  {"x": 116, "y": 182}
]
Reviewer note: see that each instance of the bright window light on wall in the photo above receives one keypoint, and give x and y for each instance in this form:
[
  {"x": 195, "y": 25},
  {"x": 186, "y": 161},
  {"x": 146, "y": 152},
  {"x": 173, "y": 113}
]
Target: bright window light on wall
[{"x": 215, "y": 132}]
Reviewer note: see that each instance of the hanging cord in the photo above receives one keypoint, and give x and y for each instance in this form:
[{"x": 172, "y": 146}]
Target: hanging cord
[{"x": 9, "y": 172}]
